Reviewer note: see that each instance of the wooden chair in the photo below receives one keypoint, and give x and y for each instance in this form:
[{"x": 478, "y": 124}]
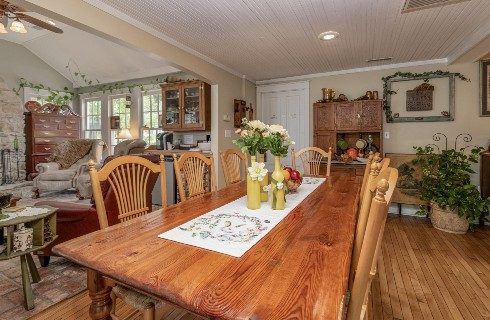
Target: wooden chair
[
  {"x": 376, "y": 175},
  {"x": 366, "y": 267},
  {"x": 191, "y": 171},
  {"x": 129, "y": 179},
  {"x": 234, "y": 164},
  {"x": 367, "y": 170},
  {"x": 311, "y": 158}
]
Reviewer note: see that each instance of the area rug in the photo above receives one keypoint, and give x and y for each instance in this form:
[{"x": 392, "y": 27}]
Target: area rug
[{"x": 60, "y": 280}]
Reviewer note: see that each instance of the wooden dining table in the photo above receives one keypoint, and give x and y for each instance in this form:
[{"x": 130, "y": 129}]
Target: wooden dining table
[{"x": 299, "y": 270}]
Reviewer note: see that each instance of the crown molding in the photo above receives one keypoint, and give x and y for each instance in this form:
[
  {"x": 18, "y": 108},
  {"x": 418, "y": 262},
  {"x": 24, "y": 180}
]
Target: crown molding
[
  {"x": 118, "y": 14},
  {"x": 355, "y": 70}
]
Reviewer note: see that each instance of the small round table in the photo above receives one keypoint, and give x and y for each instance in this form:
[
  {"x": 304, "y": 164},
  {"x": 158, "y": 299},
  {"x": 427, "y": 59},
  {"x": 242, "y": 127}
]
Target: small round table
[{"x": 44, "y": 232}]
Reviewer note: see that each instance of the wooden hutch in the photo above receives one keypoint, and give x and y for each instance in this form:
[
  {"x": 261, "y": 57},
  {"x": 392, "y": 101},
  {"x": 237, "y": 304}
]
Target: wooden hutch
[
  {"x": 45, "y": 128},
  {"x": 349, "y": 120},
  {"x": 186, "y": 106}
]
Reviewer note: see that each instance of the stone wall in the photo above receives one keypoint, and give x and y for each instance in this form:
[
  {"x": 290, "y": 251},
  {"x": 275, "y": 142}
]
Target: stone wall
[{"x": 11, "y": 126}]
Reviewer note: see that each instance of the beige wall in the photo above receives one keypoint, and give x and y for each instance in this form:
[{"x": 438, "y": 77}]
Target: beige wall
[
  {"x": 17, "y": 62},
  {"x": 403, "y": 136},
  {"x": 226, "y": 86}
]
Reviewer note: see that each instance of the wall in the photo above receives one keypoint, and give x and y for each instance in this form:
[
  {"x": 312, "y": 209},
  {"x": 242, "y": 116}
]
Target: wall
[
  {"x": 17, "y": 62},
  {"x": 403, "y": 136}
]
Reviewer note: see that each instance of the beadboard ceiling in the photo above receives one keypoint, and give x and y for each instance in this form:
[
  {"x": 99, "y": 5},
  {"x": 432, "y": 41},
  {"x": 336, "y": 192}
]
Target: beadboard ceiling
[
  {"x": 98, "y": 58},
  {"x": 265, "y": 39}
]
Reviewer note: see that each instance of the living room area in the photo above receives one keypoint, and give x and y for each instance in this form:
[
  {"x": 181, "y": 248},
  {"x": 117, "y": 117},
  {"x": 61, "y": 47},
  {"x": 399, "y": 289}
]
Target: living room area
[{"x": 145, "y": 144}]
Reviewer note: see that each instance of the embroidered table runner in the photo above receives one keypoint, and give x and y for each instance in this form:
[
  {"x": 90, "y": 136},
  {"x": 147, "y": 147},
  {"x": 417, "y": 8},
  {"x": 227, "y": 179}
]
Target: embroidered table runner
[{"x": 233, "y": 229}]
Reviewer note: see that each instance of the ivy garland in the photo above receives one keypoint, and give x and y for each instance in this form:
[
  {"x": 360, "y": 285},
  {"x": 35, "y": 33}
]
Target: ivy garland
[
  {"x": 426, "y": 75},
  {"x": 62, "y": 97}
]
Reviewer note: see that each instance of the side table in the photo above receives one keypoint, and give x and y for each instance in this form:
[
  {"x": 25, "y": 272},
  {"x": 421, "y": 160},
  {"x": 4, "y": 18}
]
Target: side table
[{"x": 44, "y": 232}]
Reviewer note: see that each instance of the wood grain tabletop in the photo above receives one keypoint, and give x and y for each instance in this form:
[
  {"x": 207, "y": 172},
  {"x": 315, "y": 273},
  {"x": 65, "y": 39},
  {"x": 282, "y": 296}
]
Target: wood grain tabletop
[{"x": 299, "y": 270}]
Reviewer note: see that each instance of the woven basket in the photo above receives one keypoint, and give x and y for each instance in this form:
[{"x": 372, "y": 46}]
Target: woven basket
[{"x": 447, "y": 220}]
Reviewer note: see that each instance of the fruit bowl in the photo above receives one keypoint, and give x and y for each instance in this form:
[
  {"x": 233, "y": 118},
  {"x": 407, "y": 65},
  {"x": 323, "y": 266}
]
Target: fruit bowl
[{"x": 293, "y": 185}]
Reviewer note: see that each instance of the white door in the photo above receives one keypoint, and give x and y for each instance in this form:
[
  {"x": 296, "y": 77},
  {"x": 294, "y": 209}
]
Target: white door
[{"x": 287, "y": 105}]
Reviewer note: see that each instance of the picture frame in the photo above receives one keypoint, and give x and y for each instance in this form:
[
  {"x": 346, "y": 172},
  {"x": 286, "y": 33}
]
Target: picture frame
[
  {"x": 446, "y": 115},
  {"x": 485, "y": 88}
]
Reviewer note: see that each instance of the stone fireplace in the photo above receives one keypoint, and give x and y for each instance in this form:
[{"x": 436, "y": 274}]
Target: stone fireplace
[{"x": 12, "y": 163}]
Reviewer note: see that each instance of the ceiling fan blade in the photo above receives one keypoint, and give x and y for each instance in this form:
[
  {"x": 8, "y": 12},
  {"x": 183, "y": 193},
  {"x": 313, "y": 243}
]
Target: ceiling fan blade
[{"x": 38, "y": 23}]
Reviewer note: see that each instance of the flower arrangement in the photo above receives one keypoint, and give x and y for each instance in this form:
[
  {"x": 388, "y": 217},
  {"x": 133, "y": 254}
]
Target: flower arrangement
[
  {"x": 252, "y": 134},
  {"x": 277, "y": 140}
]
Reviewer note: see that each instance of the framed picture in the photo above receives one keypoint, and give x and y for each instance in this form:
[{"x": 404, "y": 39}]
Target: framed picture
[
  {"x": 422, "y": 98},
  {"x": 485, "y": 88},
  {"x": 115, "y": 122}
]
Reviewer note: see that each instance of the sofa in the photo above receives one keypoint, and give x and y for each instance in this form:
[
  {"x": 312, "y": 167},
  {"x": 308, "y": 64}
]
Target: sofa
[
  {"x": 75, "y": 219},
  {"x": 126, "y": 147},
  {"x": 52, "y": 177}
]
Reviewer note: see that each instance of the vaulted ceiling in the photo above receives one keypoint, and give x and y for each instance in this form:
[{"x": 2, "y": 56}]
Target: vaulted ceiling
[
  {"x": 98, "y": 58},
  {"x": 266, "y": 39}
]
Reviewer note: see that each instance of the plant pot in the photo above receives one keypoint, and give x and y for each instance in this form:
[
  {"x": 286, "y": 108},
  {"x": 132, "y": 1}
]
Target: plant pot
[{"x": 447, "y": 220}]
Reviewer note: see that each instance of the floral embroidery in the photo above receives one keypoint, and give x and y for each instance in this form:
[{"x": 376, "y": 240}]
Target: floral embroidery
[
  {"x": 227, "y": 227},
  {"x": 309, "y": 180}
]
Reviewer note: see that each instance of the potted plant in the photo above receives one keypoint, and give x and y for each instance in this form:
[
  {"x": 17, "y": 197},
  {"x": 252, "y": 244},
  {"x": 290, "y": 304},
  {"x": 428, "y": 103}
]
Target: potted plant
[{"x": 455, "y": 202}]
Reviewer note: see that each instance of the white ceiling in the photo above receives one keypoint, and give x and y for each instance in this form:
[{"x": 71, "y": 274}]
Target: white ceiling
[
  {"x": 98, "y": 58},
  {"x": 266, "y": 39}
]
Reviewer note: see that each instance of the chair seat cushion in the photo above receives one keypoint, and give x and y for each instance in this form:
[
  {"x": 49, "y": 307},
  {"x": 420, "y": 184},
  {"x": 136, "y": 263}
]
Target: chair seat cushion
[
  {"x": 135, "y": 299},
  {"x": 57, "y": 175}
]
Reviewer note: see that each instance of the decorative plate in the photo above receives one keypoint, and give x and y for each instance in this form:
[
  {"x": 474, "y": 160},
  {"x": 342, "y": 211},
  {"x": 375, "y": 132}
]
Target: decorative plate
[
  {"x": 31, "y": 105},
  {"x": 361, "y": 144}
]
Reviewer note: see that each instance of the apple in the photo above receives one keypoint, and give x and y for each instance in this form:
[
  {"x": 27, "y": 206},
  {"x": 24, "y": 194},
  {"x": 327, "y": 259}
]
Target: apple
[
  {"x": 286, "y": 174},
  {"x": 295, "y": 175},
  {"x": 288, "y": 169}
]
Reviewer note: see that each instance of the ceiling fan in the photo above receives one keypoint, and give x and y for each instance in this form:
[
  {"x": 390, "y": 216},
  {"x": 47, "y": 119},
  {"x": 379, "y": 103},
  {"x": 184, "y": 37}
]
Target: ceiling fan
[{"x": 16, "y": 13}]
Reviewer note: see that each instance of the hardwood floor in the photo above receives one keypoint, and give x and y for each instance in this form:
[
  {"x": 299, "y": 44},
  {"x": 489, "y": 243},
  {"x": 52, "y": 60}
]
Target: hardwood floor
[{"x": 423, "y": 273}]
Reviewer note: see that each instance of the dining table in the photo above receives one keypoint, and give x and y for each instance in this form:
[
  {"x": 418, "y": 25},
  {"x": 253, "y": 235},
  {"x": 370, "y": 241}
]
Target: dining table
[{"x": 299, "y": 270}]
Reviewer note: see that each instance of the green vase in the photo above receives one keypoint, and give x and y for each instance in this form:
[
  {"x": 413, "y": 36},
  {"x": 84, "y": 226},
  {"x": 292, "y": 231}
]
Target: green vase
[
  {"x": 278, "y": 195},
  {"x": 264, "y": 195},
  {"x": 253, "y": 191}
]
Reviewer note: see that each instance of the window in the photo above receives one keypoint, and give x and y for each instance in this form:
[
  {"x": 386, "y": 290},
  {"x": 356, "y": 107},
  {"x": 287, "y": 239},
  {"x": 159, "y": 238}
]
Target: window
[
  {"x": 118, "y": 108},
  {"x": 93, "y": 117},
  {"x": 151, "y": 111}
]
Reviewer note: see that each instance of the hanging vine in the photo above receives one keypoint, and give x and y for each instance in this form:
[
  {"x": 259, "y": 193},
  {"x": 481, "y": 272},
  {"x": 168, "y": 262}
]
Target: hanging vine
[
  {"x": 387, "y": 92},
  {"x": 57, "y": 97}
]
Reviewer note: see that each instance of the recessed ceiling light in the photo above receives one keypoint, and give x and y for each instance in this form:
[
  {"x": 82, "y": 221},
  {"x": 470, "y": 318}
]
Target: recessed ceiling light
[
  {"x": 328, "y": 35},
  {"x": 51, "y": 22}
]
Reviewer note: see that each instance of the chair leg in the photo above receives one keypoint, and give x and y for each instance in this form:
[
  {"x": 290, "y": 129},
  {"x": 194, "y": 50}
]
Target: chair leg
[
  {"x": 44, "y": 260},
  {"x": 149, "y": 314}
]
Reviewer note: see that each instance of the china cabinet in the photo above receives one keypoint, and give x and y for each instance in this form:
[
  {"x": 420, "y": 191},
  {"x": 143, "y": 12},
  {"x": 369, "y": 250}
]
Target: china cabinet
[{"x": 186, "y": 106}]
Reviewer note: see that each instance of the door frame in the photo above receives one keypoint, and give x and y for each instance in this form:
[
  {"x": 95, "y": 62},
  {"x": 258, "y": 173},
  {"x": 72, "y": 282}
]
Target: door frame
[{"x": 303, "y": 86}]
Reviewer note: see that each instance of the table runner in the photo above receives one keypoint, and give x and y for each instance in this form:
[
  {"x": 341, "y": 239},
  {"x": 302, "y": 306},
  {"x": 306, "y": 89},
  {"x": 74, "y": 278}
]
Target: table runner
[{"x": 233, "y": 229}]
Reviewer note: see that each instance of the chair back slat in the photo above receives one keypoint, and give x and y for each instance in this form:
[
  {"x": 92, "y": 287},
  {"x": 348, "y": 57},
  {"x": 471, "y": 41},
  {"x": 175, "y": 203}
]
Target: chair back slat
[
  {"x": 367, "y": 170},
  {"x": 234, "y": 164},
  {"x": 311, "y": 158},
  {"x": 128, "y": 177},
  {"x": 193, "y": 170}
]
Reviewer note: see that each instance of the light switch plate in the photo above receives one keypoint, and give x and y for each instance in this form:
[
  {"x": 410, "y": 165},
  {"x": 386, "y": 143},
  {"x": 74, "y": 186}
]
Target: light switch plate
[
  {"x": 227, "y": 117},
  {"x": 387, "y": 134},
  {"x": 227, "y": 133}
]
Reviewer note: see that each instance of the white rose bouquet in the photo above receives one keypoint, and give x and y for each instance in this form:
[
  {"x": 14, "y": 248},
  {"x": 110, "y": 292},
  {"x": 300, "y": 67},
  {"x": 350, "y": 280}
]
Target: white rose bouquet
[
  {"x": 251, "y": 138},
  {"x": 277, "y": 140}
]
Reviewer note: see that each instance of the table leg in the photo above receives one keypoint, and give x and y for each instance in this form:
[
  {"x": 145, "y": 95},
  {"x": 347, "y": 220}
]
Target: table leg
[
  {"x": 100, "y": 294},
  {"x": 32, "y": 269},
  {"x": 26, "y": 284}
]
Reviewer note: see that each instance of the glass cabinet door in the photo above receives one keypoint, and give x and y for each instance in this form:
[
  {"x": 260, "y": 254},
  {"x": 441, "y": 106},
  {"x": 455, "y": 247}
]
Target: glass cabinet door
[
  {"x": 192, "y": 106},
  {"x": 171, "y": 103}
]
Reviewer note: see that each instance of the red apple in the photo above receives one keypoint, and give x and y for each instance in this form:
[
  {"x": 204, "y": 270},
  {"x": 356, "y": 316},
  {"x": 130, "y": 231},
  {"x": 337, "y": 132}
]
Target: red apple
[
  {"x": 288, "y": 169},
  {"x": 295, "y": 175}
]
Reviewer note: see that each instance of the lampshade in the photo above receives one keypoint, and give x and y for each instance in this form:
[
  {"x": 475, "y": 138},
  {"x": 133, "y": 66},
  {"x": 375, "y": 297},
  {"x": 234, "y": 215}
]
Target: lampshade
[
  {"x": 17, "y": 26},
  {"x": 2, "y": 28},
  {"x": 124, "y": 134}
]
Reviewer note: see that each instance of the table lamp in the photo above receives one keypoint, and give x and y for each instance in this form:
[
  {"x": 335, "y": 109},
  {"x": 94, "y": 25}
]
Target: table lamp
[{"x": 124, "y": 134}]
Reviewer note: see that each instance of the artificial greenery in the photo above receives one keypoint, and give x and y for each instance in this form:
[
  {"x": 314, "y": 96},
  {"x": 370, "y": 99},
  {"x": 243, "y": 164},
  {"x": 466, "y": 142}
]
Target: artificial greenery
[
  {"x": 446, "y": 180},
  {"x": 425, "y": 75},
  {"x": 57, "y": 97}
]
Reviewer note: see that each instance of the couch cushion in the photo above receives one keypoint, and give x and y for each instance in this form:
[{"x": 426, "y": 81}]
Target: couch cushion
[{"x": 57, "y": 175}]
